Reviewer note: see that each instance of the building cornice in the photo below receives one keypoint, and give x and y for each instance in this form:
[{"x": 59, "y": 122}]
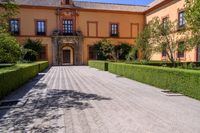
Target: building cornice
[
  {"x": 157, "y": 6},
  {"x": 79, "y": 9}
]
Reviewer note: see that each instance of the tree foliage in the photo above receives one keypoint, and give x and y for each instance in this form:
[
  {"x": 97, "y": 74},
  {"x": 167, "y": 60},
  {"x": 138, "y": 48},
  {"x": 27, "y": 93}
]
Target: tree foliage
[
  {"x": 9, "y": 49},
  {"x": 104, "y": 50},
  {"x": 133, "y": 54},
  {"x": 143, "y": 43},
  {"x": 193, "y": 19},
  {"x": 31, "y": 49},
  {"x": 8, "y": 10},
  {"x": 166, "y": 37},
  {"x": 122, "y": 51}
]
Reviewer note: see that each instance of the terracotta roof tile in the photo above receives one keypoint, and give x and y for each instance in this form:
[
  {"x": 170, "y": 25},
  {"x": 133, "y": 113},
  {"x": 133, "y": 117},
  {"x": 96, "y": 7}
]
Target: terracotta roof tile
[
  {"x": 85, "y": 5},
  {"x": 110, "y": 6}
]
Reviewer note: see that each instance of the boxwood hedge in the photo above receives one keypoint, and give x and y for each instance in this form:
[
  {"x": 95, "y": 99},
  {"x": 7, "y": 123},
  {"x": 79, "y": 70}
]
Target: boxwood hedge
[
  {"x": 102, "y": 65},
  {"x": 182, "y": 81},
  {"x": 13, "y": 77}
]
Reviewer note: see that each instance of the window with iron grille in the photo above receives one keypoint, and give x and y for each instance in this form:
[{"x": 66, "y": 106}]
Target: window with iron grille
[
  {"x": 164, "y": 22},
  {"x": 181, "y": 19},
  {"x": 164, "y": 53},
  {"x": 68, "y": 27},
  {"x": 92, "y": 53},
  {"x": 181, "y": 50},
  {"x": 67, "y": 2},
  {"x": 41, "y": 28},
  {"x": 14, "y": 26},
  {"x": 164, "y": 50},
  {"x": 43, "y": 55},
  {"x": 114, "y": 30}
]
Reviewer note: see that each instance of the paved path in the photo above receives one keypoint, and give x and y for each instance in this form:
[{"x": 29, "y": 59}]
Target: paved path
[{"x": 79, "y": 99}]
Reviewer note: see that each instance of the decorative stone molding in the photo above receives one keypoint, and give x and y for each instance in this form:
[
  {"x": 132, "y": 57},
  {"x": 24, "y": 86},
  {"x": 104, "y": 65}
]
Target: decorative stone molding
[{"x": 75, "y": 42}]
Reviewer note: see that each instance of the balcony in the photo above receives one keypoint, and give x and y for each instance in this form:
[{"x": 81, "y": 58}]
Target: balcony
[{"x": 60, "y": 33}]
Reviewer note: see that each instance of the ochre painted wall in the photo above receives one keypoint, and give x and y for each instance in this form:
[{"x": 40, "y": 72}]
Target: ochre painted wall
[
  {"x": 171, "y": 11},
  {"x": 46, "y": 41},
  {"x": 100, "y": 22},
  {"x": 27, "y": 17},
  {"x": 97, "y": 24}
]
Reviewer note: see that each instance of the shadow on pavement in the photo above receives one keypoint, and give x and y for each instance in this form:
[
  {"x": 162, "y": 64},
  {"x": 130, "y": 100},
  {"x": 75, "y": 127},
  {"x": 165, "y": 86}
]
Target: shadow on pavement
[{"x": 44, "y": 107}]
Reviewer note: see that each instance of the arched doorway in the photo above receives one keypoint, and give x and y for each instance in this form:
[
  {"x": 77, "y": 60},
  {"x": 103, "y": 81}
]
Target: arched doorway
[{"x": 67, "y": 55}]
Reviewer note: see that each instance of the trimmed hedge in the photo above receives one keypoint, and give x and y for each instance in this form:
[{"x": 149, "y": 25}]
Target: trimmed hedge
[
  {"x": 102, "y": 65},
  {"x": 186, "y": 82},
  {"x": 13, "y": 77},
  {"x": 185, "y": 65},
  {"x": 6, "y": 65}
]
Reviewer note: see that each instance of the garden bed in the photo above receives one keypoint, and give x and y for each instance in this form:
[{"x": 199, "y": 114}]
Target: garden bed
[{"x": 13, "y": 77}]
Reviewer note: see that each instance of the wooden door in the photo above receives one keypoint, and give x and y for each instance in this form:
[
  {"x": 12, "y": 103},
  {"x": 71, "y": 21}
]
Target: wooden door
[{"x": 66, "y": 56}]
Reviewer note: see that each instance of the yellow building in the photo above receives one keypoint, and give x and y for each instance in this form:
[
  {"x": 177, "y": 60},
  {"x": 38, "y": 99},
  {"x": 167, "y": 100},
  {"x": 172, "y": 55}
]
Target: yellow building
[
  {"x": 68, "y": 28},
  {"x": 174, "y": 11}
]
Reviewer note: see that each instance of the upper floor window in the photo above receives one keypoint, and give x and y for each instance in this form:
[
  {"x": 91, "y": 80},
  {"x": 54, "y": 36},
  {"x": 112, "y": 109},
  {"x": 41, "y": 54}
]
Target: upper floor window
[
  {"x": 68, "y": 27},
  {"x": 181, "y": 19},
  {"x": 67, "y": 2},
  {"x": 41, "y": 27},
  {"x": 114, "y": 30},
  {"x": 181, "y": 50},
  {"x": 165, "y": 22},
  {"x": 14, "y": 26}
]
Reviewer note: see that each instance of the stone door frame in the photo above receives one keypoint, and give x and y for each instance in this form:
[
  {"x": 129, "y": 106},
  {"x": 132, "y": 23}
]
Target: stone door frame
[{"x": 75, "y": 42}]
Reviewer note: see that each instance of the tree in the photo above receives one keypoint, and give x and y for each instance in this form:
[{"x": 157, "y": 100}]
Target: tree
[
  {"x": 31, "y": 49},
  {"x": 133, "y": 54},
  {"x": 8, "y": 10},
  {"x": 104, "y": 50},
  {"x": 144, "y": 45},
  {"x": 122, "y": 51},
  {"x": 165, "y": 37},
  {"x": 193, "y": 19},
  {"x": 9, "y": 49}
]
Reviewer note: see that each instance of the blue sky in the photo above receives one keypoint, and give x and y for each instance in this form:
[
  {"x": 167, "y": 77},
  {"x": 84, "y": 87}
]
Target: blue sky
[{"x": 137, "y": 2}]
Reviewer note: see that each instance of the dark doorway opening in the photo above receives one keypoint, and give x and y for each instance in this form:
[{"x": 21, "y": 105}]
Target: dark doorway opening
[{"x": 66, "y": 56}]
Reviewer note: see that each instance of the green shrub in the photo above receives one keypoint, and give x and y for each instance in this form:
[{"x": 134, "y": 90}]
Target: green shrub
[
  {"x": 13, "y": 77},
  {"x": 122, "y": 51},
  {"x": 32, "y": 49},
  {"x": 184, "y": 65},
  {"x": 104, "y": 50},
  {"x": 102, "y": 65},
  {"x": 132, "y": 55},
  {"x": 186, "y": 82},
  {"x": 9, "y": 49}
]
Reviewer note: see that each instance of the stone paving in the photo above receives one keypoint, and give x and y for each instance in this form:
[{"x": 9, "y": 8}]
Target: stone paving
[{"x": 80, "y": 99}]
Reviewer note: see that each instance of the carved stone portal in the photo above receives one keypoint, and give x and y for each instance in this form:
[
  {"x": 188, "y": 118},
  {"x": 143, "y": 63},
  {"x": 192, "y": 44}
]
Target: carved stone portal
[{"x": 74, "y": 42}]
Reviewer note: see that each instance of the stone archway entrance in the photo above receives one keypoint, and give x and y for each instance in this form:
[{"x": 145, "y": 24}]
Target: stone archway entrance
[
  {"x": 67, "y": 55},
  {"x": 67, "y": 50}
]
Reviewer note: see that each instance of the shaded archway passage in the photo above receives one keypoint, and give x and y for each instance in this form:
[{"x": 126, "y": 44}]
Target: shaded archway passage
[{"x": 80, "y": 99}]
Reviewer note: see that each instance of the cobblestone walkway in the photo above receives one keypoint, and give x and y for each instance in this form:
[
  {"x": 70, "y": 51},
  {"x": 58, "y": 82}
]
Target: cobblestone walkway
[{"x": 79, "y": 99}]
